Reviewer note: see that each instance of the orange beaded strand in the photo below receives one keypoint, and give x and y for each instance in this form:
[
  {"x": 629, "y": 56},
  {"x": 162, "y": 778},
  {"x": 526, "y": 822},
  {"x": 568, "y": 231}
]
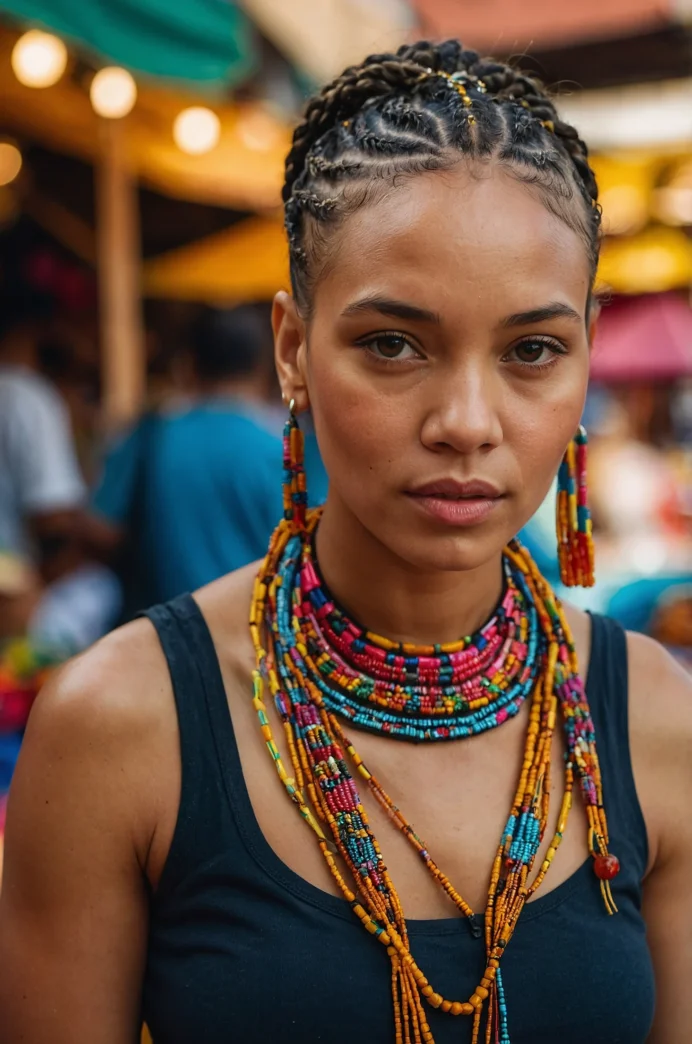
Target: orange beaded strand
[{"x": 378, "y": 906}]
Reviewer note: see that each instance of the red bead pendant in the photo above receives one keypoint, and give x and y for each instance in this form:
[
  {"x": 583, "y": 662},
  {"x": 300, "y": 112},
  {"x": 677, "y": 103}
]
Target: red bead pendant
[{"x": 606, "y": 867}]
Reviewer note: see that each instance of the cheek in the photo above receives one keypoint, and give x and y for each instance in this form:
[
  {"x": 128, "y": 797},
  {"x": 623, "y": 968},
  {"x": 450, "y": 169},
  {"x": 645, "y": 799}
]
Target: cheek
[
  {"x": 361, "y": 432},
  {"x": 541, "y": 432}
]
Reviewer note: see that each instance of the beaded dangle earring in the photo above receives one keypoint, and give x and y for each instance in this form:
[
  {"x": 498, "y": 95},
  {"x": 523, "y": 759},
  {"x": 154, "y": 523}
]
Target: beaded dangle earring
[
  {"x": 294, "y": 487},
  {"x": 574, "y": 536}
]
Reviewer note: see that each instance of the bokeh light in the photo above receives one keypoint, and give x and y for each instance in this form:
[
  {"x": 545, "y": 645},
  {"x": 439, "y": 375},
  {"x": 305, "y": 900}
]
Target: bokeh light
[
  {"x": 10, "y": 162},
  {"x": 39, "y": 59},
  {"x": 196, "y": 130},
  {"x": 113, "y": 92}
]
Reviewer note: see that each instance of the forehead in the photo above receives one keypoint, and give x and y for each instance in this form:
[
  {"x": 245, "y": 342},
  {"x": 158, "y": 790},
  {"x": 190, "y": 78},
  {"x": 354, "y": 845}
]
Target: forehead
[{"x": 459, "y": 239}]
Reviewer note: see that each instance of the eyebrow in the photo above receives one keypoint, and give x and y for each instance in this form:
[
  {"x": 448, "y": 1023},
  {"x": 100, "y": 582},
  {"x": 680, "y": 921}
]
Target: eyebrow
[
  {"x": 554, "y": 310},
  {"x": 392, "y": 308}
]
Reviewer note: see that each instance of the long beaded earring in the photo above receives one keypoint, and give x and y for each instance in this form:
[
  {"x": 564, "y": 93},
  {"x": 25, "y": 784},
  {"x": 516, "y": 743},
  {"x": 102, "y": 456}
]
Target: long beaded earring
[
  {"x": 574, "y": 530},
  {"x": 294, "y": 486}
]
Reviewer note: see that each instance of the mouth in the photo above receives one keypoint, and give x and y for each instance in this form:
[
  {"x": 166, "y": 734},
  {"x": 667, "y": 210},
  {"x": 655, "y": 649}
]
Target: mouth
[{"x": 457, "y": 503}]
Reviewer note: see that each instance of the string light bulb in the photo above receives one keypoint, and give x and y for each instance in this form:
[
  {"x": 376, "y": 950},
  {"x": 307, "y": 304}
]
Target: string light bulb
[
  {"x": 113, "y": 92},
  {"x": 10, "y": 162},
  {"x": 38, "y": 59},
  {"x": 196, "y": 130}
]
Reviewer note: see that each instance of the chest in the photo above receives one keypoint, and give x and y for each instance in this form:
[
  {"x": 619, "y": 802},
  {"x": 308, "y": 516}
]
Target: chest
[
  {"x": 251, "y": 974},
  {"x": 456, "y": 796},
  {"x": 250, "y": 939}
]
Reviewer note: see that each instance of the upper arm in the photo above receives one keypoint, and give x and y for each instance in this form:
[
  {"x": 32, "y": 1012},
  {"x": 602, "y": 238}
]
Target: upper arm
[
  {"x": 661, "y": 740},
  {"x": 73, "y": 911}
]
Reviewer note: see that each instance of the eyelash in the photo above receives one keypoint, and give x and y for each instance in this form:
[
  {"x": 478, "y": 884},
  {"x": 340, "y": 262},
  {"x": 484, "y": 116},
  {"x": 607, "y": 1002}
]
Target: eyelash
[
  {"x": 555, "y": 347},
  {"x": 367, "y": 345}
]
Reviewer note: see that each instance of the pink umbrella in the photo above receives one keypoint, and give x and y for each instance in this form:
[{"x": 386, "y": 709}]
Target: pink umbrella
[{"x": 643, "y": 339}]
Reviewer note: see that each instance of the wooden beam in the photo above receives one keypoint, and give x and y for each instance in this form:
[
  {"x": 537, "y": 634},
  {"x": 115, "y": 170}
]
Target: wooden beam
[{"x": 123, "y": 358}]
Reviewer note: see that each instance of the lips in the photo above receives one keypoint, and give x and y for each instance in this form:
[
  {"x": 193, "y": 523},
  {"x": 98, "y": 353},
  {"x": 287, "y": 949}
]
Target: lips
[
  {"x": 452, "y": 489},
  {"x": 457, "y": 503}
]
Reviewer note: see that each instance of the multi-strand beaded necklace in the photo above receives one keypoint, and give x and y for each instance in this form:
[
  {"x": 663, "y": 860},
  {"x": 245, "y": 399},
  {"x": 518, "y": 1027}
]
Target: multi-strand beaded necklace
[{"x": 322, "y": 669}]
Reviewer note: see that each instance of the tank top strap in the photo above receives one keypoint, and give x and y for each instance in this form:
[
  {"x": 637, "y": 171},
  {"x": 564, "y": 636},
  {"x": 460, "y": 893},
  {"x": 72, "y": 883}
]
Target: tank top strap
[
  {"x": 607, "y": 688},
  {"x": 205, "y": 825}
]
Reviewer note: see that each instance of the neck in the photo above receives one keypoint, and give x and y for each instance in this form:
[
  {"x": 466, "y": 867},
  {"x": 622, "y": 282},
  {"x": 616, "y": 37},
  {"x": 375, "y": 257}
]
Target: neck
[{"x": 395, "y": 599}]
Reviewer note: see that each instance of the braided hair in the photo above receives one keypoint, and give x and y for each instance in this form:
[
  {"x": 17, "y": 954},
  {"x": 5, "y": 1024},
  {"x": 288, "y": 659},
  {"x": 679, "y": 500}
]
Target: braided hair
[{"x": 418, "y": 110}]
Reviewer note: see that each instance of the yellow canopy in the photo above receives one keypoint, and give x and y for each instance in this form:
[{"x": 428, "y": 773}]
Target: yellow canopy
[
  {"x": 246, "y": 262},
  {"x": 244, "y": 171},
  {"x": 657, "y": 259}
]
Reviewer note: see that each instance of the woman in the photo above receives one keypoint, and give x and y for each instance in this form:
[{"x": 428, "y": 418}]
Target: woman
[{"x": 443, "y": 232}]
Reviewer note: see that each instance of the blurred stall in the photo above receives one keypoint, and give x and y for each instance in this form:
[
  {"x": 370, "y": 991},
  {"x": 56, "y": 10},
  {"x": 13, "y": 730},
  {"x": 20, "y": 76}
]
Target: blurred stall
[
  {"x": 647, "y": 339},
  {"x": 246, "y": 262},
  {"x": 125, "y": 129},
  {"x": 178, "y": 134}
]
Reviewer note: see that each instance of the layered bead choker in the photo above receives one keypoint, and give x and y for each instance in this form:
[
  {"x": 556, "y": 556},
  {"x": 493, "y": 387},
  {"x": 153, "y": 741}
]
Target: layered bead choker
[
  {"x": 326, "y": 674},
  {"x": 415, "y": 693}
]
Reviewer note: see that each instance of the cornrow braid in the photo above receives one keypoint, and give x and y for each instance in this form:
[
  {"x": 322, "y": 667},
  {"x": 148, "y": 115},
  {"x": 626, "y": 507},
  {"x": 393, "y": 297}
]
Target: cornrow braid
[
  {"x": 419, "y": 110},
  {"x": 343, "y": 98}
]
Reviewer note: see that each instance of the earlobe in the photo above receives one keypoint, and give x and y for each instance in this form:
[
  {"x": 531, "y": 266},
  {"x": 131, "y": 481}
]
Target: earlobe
[{"x": 289, "y": 349}]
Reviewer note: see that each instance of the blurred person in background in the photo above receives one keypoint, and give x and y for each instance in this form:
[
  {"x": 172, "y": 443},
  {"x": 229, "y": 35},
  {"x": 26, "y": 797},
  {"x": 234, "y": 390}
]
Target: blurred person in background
[
  {"x": 513, "y": 864},
  {"x": 191, "y": 492},
  {"x": 41, "y": 486},
  {"x": 64, "y": 601}
]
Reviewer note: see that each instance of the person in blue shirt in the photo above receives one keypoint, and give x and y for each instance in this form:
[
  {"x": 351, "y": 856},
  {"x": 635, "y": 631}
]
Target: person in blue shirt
[{"x": 194, "y": 490}]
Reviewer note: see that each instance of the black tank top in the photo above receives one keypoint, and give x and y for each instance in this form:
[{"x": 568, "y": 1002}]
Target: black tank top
[{"x": 242, "y": 949}]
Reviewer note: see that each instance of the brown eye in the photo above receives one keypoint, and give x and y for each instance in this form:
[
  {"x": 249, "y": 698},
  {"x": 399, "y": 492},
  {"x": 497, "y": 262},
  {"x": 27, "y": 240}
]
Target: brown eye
[
  {"x": 535, "y": 352},
  {"x": 530, "y": 351},
  {"x": 391, "y": 346}
]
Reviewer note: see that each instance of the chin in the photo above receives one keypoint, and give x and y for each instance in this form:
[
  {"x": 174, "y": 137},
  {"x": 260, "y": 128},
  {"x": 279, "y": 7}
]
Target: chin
[{"x": 456, "y": 551}]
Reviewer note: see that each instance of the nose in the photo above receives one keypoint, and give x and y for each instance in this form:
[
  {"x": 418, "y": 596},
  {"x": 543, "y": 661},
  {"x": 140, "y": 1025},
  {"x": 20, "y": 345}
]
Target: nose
[{"x": 463, "y": 414}]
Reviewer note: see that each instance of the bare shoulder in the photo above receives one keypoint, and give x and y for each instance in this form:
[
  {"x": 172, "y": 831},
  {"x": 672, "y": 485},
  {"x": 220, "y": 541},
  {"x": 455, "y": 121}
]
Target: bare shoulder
[
  {"x": 225, "y": 605},
  {"x": 114, "y": 688},
  {"x": 105, "y": 718},
  {"x": 660, "y": 718},
  {"x": 660, "y": 698},
  {"x": 85, "y": 808}
]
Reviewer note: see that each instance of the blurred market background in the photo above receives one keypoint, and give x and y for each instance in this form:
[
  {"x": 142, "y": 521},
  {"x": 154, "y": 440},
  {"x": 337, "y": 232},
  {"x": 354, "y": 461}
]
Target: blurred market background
[{"x": 141, "y": 241}]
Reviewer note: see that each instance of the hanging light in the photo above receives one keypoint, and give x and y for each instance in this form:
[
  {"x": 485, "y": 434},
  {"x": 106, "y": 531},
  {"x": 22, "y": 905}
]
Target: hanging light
[
  {"x": 196, "y": 130},
  {"x": 10, "y": 162},
  {"x": 113, "y": 92},
  {"x": 39, "y": 59}
]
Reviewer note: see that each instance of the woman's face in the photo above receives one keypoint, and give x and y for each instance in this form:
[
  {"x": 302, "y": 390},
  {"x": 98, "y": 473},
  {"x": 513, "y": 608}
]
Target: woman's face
[{"x": 445, "y": 363}]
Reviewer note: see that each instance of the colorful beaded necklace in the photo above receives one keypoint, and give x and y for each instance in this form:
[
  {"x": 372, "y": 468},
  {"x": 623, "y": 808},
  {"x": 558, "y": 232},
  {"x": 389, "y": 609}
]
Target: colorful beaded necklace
[{"x": 322, "y": 668}]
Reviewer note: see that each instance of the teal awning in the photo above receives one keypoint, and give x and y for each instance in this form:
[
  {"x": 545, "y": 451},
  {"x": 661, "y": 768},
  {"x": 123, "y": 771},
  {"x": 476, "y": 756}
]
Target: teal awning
[{"x": 208, "y": 43}]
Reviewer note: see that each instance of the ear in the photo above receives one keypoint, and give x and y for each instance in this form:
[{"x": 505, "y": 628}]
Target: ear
[
  {"x": 290, "y": 350},
  {"x": 594, "y": 312}
]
